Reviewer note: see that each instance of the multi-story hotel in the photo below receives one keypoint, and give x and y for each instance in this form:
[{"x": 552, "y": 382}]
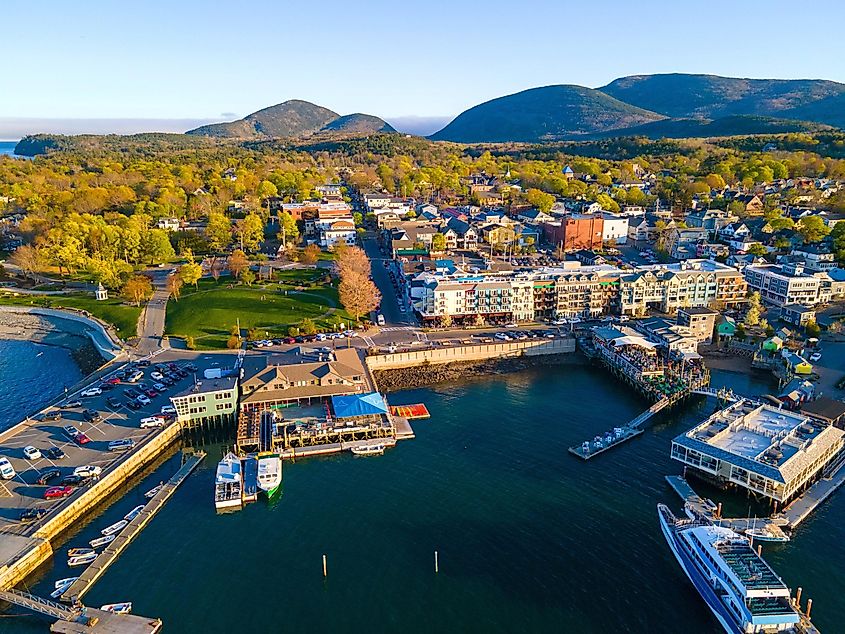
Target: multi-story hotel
[{"x": 788, "y": 284}]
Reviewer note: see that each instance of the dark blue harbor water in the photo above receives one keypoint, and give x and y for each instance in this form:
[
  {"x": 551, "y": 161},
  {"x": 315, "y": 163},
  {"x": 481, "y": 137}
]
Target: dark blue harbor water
[
  {"x": 7, "y": 147},
  {"x": 530, "y": 538}
]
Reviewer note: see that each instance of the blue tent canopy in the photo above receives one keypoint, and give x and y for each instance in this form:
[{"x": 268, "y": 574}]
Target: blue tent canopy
[{"x": 371, "y": 404}]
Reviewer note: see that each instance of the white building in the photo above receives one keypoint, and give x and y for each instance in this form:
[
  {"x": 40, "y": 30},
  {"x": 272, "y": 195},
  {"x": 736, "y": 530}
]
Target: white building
[
  {"x": 334, "y": 230},
  {"x": 168, "y": 224},
  {"x": 614, "y": 228},
  {"x": 788, "y": 284}
]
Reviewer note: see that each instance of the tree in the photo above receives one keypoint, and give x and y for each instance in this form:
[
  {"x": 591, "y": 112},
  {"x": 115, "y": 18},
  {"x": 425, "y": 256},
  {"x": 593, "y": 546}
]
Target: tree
[
  {"x": 266, "y": 189},
  {"x": 26, "y": 258},
  {"x": 251, "y": 232},
  {"x": 812, "y": 229},
  {"x": 438, "y": 242},
  {"x": 358, "y": 294},
  {"x": 288, "y": 229},
  {"x": 812, "y": 329},
  {"x": 137, "y": 289},
  {"x": 233, "y": 342},
  {"x": 248, "y": 277},
  {"x": 218, "y": 231},
  {"x": 237, "y": 262},
  {"x": 353, "y": 260},
  {"x": 190, "y": 272},
  {"x": 310, "y": 254},
  {"x": 757, "y": 249},
  {"x": 752, "y": 316},
  {"x": 307, "y": 326},
  {"x": 174, "y": 285},
  {"x": 540, "y": 199},
  {"x": 156, "y": 247}
]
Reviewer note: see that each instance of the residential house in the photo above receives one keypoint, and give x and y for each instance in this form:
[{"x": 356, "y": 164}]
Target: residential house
[
  {"x": 460, "y": 235},
  {"x": 534, "y": 216},
  {"x": 168, "y": 224},
  {"x": 682, "y": 241},
  {"x": 797, "y": 314}
]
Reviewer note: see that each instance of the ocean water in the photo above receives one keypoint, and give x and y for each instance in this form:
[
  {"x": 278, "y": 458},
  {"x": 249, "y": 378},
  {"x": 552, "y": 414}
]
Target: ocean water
[
  {"x": 7, "y": 147},
  {"x": 31, "y": 375},
  {"x": 530, "y": 539}
]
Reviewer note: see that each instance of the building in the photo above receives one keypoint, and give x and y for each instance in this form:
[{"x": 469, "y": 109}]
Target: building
[
  {"x": 332, "y": 231},
  {"x": 769, "y": 451},
  {"x": 614, "y": 228},
  {"x": 827, "y": 409},
  {"x": 700, "y": 321},
  {"x": 575, "y": 232},
  {"x": 168, "y": 224},
  {"x": 787, "y": 284},
  {"x": 460, "y": 235},
  {"x": 797, "y": 314},
  {"x": 682, "y": 242},
  {"x": 207, "y": 399}
]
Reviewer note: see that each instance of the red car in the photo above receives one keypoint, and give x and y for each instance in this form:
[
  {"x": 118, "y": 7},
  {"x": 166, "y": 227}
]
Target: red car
[
  {"x": 57, "y": 492},
  {"x": 81, "y": 439},
  {"x": 112, "y": 381}
]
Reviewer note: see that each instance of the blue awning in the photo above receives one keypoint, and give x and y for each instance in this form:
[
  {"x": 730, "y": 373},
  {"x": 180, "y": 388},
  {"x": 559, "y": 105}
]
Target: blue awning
[{"x": 355, "y": 405}]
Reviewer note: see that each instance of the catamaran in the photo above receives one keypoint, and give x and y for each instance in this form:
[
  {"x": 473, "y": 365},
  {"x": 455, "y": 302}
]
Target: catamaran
[
  {"x": 269, "y": 473},
  {"x": 101, "y": 541},
  {"x": 368, "y": 450},
  {"x": 228, "y": 482},
  {"x": 114, "y": 528},
  {"x": 739, "y": 587},
  {"x": 81, "y": 560}
]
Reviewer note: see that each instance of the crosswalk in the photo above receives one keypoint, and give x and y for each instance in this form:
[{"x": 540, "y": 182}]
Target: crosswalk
[{"x": 398, "y": 329}]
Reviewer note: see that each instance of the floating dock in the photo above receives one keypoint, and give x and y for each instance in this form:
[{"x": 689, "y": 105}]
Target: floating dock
[
  {"x": 410, "y": 412},
  {"x": 106, "y": 558},
  {"x": 331, "y": 448},
  {"x": 601, "y": 443}
]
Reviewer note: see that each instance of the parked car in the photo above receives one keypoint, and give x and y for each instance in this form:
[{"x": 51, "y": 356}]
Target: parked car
[
  {"x": 113, "y": 402},
  {"x": 92, "y": 416},
  {"x": 45, "y": 476},
  {"x": 72, "y": 480},
  {"x": 143, "y": 363},
  {"x": 92, "y": 391},
  {"x": 53, "y": 453},
  {"x": 816, "y": 356},
  {"x": 70, "y": 431},
  {"x": 133, "y": 405},
  {"x": 124, "y": 444},
  {"x": 88, "y": 471},
  {"x": 7, "y": 471},
  {"x": 57, "y": 492},
  {"x": 71, "y": 404},
  {"x": 82, "y": 439},
  {"x": 52, "y": 416},
  {"x": 32, "y": 515},
  {"x": 156, "y": 376},
  {"x": 135, "y": 377},
  {"x": 131, "y": 392},
  {"x": 112, "y": 380},
  {"x": 151, "y": 392},
  {"x": 159, "y": 387},
  {"x": 152, "y": 421},
  {"x": 191, "y": 367},
  {"x": 168, "y": 409},
  {"x": 143, "y": 400},
  {"x": 182, "y": 373},
  {"x": 31, "y": 453}
]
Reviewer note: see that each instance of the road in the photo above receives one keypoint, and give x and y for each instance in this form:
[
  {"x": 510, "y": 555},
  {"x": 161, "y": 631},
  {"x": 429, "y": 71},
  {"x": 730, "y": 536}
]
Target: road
[
  {"x": 151, "y": 323},
  {"x": 390, "y": 299}
]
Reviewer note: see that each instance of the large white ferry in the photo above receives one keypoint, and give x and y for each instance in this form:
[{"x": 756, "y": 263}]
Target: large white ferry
[
  {"x": 741, "y": 589},
  {"x": 228, "y": 483}
]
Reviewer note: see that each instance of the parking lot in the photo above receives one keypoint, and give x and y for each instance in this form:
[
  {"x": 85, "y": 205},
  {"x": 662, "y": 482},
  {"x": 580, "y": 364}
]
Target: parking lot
[{"x": 113, "y": 420}]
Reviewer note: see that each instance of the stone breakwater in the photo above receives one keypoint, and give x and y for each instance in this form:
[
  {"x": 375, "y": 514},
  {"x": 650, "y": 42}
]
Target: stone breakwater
[
  {"x": 52, "y": 332},
  {"x": 430, "y": 374}
]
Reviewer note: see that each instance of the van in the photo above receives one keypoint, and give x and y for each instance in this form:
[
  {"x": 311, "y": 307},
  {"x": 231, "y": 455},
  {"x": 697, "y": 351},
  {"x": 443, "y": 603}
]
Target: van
[
  {"x": 124, "y": 444},
  {"x": 7, "y": 471},
  {"x": 380, "y": 319}
]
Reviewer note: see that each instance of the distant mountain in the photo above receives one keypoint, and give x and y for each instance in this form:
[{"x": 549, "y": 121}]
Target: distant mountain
[
  {"x": 358, "y": 124},
  {"x": 712, "y": 97},
  {"x": 288, "y": 119},
  {"x": 544, "y": 114}
]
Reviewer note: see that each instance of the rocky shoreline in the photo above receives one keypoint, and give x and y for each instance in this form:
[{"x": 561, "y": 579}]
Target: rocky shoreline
[
  {"x": 429, "y": 374},
  {"x": 45, "y": 331}
]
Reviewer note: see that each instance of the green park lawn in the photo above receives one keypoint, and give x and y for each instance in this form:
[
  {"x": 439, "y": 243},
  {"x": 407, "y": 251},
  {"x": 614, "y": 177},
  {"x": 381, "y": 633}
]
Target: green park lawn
[
  {"x": 208, "y": 313},
  {"x": 122, "y": 316}
]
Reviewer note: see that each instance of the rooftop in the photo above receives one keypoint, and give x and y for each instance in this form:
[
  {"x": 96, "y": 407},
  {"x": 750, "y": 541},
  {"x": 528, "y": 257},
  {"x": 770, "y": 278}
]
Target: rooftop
[{"x": 206, "y": 386}]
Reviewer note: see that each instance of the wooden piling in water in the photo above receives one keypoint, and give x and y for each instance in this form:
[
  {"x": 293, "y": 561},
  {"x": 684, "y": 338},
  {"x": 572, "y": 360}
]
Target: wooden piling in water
[
  {"x": 436, "y": 562},
  {"x": 325, "y": 570}
]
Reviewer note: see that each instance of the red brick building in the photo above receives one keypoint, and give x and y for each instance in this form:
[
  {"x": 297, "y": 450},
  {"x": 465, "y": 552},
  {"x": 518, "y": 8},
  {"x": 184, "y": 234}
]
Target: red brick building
[{"x": 575, "y": 232}]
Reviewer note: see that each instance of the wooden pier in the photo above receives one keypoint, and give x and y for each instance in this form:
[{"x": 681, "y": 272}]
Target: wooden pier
[
  {"x": 93, "y": 572},
  {"x": 798, "y": 510}
]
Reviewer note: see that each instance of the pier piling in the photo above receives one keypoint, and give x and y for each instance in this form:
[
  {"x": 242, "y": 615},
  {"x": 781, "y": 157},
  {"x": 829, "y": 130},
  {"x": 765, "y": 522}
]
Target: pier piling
[
  {"x": 798, "y": 598},
  {"x": 436, "y": 562},
  {"x": 809, "y": 607},
  {"x": 325, "y": 570}
]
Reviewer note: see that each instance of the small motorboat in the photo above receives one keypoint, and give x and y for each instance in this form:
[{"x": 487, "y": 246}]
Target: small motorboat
[
  {"x": 368, "y": 450},
  {"x": 65, "y": 582},
  {"x": 55, "y": 594},
  {"x": 81, "y": 560},
  {"x": 771, "y": 533},
  {"x": 75, "y": 552},
  {"x": 152, "y": 492},
  {"x": 117, "y": 608},
  {"x": 101, "y": 541},
  {"x": 114, "y": 528},
  {"x": 131, "y": 515}
]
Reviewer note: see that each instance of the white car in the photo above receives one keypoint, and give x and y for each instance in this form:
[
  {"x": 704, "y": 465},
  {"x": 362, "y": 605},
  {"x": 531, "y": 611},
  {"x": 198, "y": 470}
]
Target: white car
[
  {"x": 501, "y": 336},
  {"x": 511, "y": 325},
  {"x": 168, "y": 409},
  {"x": 152, "y": 421},
  {"x": 157, "y": 376},
  {"x": 7, "y": 471},
  {"x": 93, "y": 391},
  {"x": 143, "y": 399},
  {"x": 816, "y": 356},
  {"x": 31, "y": 453},
  {"x": 88, "y": 471}
]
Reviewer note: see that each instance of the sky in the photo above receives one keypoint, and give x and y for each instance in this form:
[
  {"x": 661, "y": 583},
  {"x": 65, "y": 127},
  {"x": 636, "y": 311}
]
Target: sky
[{"x": 170, "y": 65}]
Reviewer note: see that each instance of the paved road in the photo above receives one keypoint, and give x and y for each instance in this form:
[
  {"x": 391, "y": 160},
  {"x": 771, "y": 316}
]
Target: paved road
[
  {"x": 151, "y": 324},
  {"x": 390, "y": 301}
]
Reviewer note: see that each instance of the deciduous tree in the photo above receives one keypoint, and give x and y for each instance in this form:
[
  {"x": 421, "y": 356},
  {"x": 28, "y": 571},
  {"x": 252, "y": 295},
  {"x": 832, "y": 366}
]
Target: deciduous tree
[
  {"x": 310, "y": 254},
  {"x": 218, "y": 231},
  {"x": 237, "y": 262},
  {"x": 137, "y": 289},
  {"x": 174, "y": 286},
  {"x": 358, "y": 294},
  {"x": 190, "y": 272}
]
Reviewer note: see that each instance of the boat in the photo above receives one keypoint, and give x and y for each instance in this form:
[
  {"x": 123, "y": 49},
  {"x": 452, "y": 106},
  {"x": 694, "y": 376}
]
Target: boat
[
  {"x": 55, "y": 594},
  {"x": 101, "y": 541},
  {"x": 368, "y": 450},
  {"x": 74, "y": 552},
  {"x": 768, "y": 533},
  {"x": 81, "y": 560},
  {"x": 739, "y": 587},
  {"x": 131, "y": 515},
  {"x": 228, "y": 482},
  {"x": 65, "y": 582},
  {"x": 269, "y": 473},
  {"x": 117, "y": 608},
  {"x": 152, "y": 492},
  {"x": 250, "y": 484},
  {"x": 114, "y": 528}
]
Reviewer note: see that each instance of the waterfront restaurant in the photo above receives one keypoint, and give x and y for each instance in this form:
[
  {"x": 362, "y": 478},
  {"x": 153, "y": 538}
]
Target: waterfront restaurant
[{"x": 769, "y": 451}]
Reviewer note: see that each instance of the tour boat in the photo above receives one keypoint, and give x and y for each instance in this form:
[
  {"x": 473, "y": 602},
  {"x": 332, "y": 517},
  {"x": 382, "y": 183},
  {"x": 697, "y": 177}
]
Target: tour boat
[
  {"x": 82, "y": 560},
  {"x": 117, "y": 608},
  {"x": 269, "y": 473},
  {"x": 101, "y": 541},
  {"x": 64, "y": 582},
  {"x": 368, "y": 450},
  {"x": 767, "y": 534},
  {"x": 74, "y": 552},
  {"x": 131, "y": 515},
  {"x": 739, "y": 587},
  {"x": 228, "y": 482},
  {"x": 114, "y": 528},
  {"x": 152, "y": 492}
]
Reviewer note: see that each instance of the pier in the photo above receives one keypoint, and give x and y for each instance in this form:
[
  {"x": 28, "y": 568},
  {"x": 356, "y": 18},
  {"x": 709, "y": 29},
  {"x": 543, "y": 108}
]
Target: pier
[
  {"x": 93, "y": 572},
  {"x": 798, "y": 510}
]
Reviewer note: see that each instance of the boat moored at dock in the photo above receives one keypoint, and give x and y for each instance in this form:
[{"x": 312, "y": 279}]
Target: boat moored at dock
[
  {"x": 101, "y": 541},
  {"x": 114, "y": 528},
  {"x": 269, "y": 473},
  {"x": 118, "y": 608},
  {"x": 81, "y": 560},
  {"x": 131, "y": 515},
  {"x": 739, "y": 587},
  {"x": 375, "y": 449},
  {"x": 228, "y": 483}
]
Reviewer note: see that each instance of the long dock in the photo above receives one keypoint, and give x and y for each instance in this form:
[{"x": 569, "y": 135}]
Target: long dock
[
  {"x": 93, "y": 572},
  {"x": 609, "y": 440},
  {"x": 798, "y": 510}
]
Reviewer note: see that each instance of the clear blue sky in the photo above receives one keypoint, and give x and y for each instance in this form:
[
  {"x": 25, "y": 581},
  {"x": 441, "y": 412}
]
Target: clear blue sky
[{"x": 193, "y": 59}]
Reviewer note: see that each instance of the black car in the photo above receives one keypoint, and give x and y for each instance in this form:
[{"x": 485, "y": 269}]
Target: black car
[
  {"x": 143, "y": 363},
  {"x": 166, "y": 381},
  {"x": 190, "y": 367},
  {"x": 55, "y": 415},
  {"x": 113, "y": 402},
  {"x": 133, "y": 405},
  {"x": 47, "y": 475},
  {"x": 131, "y": 392},
  {"x": 53, "y": 453},
  {"x": 32, "y": 515},
  {"x": 72, "y": 480},
  {"x": 182, "y": 373},
  {"x": 91, "y": 416},
  {"x": 106, "y": 386}
]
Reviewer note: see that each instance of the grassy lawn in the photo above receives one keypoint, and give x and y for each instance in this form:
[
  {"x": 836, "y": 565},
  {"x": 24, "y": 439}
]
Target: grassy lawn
[
  {"x": 207, "y": 314},
  {"x": 122, "y": 316}
]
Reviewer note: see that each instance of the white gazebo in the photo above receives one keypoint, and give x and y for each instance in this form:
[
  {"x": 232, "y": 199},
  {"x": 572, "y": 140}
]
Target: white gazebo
[{"x": 101, "y": 293}]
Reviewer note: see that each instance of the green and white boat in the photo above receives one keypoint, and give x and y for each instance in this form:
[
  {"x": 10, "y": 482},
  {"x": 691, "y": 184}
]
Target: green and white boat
[{"x": 269, "y": 472}]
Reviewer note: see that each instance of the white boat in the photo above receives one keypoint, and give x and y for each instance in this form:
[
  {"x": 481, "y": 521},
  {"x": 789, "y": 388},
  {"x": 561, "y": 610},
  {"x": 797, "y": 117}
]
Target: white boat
[
  {"x": 74, "y": 552},
  {"x": 152, "y": 492},
  {"x": 768, "y": 533},
  {"x": 269, "y": 473},
  {"x": 65, "y": 582},
  {"x": 368, "y": 450},
  {"x": 117, "y": 608},
  {"x": 131, "y": 515},
  {"x": 228, "y": 482},
  {"x": 55, "y": 594},
  {"x": 81, "y": 560},
  {"x": 114, "y": 528},
  {"x": 101, "y": 541},
  {"x": 739, "y": 587}
]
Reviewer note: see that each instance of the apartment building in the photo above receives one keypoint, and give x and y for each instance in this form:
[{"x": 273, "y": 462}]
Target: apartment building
[{"x": 788, "y": 284}]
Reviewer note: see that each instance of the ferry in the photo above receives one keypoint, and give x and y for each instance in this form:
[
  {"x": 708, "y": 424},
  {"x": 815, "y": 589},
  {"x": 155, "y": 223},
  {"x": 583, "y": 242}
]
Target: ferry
[
  {"x": 228, "y": 482},
  {"x": 114, "y": 528},
  {"x": 117, "y": 608},
  {"x": 101, "y": 541},
  {"x": 269, "y": 473},
  {"x": 368, "y": 450},
  {"x": 81, "y": 560},
  {"x": 131, "y": 515},
  {"x": 739, "y": 587}
]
